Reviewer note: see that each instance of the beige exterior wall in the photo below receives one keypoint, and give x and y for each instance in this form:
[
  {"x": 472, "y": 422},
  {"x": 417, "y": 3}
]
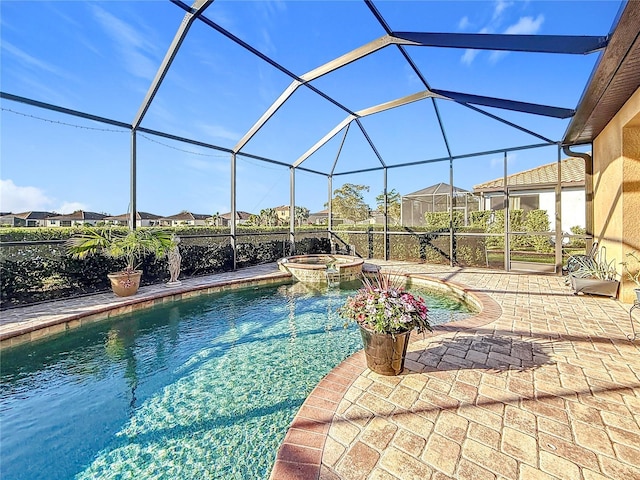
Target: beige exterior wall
[{"x": 616, "y": 183}]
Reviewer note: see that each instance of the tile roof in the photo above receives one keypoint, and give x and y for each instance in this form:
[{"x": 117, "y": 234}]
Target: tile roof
[
  {"x": 139, "y": 216},
  {"x": 544, "y": 175},
  {"x": 240, "y": 215},
  {"x": 187, "y": 216},
  {"x": 79, "y": 215},
  {"x": 33, "y": 215}
]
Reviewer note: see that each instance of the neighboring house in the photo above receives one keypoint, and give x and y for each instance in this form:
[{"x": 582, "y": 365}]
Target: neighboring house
[
  {"x": 433, "y": 199},
  {"x": 185, "y": 218},
  {"x": 283, "y": 214},
  {"x": 224, "y": 220},
  {"x": 535, "y": 189},
  {"x": 319, "y": 218},
  {"x": 143, "y": 219},
  {"x": 26, "y": 219},
  {"x": 75, "y": 219}
]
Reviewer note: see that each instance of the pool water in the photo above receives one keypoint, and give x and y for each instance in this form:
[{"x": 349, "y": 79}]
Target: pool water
[{"x": 202, "y": 388}]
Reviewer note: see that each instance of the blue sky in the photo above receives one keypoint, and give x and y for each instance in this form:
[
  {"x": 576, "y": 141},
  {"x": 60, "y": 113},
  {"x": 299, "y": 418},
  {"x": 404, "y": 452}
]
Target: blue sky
[{"x": 100, "y": 58}]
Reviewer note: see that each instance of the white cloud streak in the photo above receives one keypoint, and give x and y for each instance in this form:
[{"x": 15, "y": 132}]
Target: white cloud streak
[
  {"x": 133, "y": 46},
  {"x": 16, "y": 198}
]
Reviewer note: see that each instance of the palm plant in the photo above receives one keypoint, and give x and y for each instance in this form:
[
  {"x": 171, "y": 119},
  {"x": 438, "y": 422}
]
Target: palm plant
[
  {"x": 633, "y": 274},
  {"x": 132, "y": 246}
]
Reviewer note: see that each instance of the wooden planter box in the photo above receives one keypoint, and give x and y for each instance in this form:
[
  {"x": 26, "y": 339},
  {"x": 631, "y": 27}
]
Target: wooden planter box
[{"x": 595, "y": 286}]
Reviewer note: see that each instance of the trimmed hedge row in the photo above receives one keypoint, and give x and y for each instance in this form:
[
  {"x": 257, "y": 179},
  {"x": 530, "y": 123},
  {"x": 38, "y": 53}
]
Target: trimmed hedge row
[{"x": 32, "y": 273}]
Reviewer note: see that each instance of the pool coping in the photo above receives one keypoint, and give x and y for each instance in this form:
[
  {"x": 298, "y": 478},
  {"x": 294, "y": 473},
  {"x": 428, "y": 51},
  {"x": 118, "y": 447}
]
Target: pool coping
[
  {"x": 300, "y": 454},
  {"x": 44, "y": 324}
]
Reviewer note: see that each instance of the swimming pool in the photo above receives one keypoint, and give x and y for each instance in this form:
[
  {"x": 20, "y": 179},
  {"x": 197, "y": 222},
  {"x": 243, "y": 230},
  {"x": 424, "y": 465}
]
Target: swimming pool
[{"x": 202, "y": 388}]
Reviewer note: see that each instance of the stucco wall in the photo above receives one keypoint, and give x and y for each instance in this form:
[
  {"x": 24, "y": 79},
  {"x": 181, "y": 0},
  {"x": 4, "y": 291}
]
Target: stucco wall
[{"x": 616, "y": 182}]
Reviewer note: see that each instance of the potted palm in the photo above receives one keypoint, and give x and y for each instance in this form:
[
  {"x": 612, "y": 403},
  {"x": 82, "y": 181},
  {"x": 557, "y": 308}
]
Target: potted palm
[
  {"x": 132, "y": 246},
  {"x": 594, "y": 275},
  {"x": 633, "y": 271},
  {"x": 386, "y": 315}
]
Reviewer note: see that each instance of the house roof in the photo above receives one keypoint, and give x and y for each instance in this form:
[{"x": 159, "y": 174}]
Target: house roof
[
  {"x": 612, "y": 82},
  {"x": 239, "y": 215},
  {"x": 437, "y": 189},
  {"x": 187, "y": 216},
  {"x": 139, "y": 216},
  {"x": 321, "y": 213},
  {"x": 79, "y": 215},
  {"x": 542, "y": 176},
  {"x": 33, "y": 215},
  {"x": 282, "y": 207}
]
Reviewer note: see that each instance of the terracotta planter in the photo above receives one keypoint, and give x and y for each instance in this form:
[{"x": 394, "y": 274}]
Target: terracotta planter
[
  {"x": 125, "y": 284},
  {"x": 385, "y": 352},
  {"x": 595, "y": 286}
]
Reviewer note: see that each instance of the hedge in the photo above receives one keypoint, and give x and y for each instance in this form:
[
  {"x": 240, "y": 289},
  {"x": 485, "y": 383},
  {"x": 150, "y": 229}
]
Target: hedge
[{"x": 32, "y": 273}]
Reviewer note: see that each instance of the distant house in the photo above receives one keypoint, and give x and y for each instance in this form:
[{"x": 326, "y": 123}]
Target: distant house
[
  {"x": 535, "y": 189},
  {"x": 26, "y": 219},
  {"x": 143, "y": 219},
  {"x": 433, "y": 199},
  {"x": 319, "y": 218},
  {"x": 283, "y": 214},
  {"x": 185, "y": 218},
  {"x": 77, "y": 218},
  {"x": 224, "y": 220}
]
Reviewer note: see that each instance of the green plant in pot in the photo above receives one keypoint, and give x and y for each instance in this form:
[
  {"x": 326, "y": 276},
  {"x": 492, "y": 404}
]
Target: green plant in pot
[
  {"x": 632, "y": 269},
  {"x": 594, "y": 275},
  {"x": 386, "y": 314},
  {"x": 132, "y": 246}
]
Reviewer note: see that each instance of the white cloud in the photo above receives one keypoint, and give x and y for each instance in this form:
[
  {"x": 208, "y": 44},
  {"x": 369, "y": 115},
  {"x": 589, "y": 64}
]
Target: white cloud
[
  {"x": 468, "y": 56},
  {"x": 15, "y": 198},
  {"x": 464, "y": 23},
  {"x": 499, "y": 8},
  {"x": 31, "y": 61},
  {"x": 70, "y": 207},
  {"x": 132, "y": 45},
  {"x": 526, "y": 26}
]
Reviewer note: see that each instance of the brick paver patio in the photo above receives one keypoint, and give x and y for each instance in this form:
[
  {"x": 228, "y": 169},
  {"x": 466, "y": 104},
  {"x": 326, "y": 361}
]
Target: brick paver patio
[
  {"x": 549, "y": 388},
  {"x": 541, "y": 385}
]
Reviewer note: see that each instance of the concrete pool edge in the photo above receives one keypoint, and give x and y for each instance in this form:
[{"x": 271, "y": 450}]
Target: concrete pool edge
[
  {"x": 299, "y": 456},
  {"x": 43, "y": 321}
]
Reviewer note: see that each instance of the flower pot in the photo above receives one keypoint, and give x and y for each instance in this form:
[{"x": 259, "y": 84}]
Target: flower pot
[
  {"x": 125, "y": 284},
  {"x": 385, "y": 352},
  {"x": 595, "y": 286}
]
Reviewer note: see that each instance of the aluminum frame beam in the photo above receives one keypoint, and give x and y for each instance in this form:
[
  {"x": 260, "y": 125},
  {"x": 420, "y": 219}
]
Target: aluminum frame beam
[
  {"x": 318, "y": 72},
  {"x": 198, "y": 7},
  {"x": 363, "y": 113},
  {"x": 567, "y": 44},
  {"x": 524, "y": 107}
]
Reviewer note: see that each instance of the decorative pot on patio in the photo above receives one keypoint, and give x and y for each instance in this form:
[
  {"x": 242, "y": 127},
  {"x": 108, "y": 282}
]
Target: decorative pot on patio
[
  {"x": 125, "y": 283},
  {"x": 385, "y": 352},
  {"x": 386, "y": 314},
  {"x": 595, "y": 286}
]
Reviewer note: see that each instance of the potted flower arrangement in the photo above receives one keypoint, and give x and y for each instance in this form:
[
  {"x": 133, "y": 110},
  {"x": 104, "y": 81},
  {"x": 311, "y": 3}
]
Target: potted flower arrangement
[
  {"x": 131, "y": 245},
  {"x": 386, "y": 314},
  {"x": 633, "y": 271},
  {"x": 594, "y": 275}
]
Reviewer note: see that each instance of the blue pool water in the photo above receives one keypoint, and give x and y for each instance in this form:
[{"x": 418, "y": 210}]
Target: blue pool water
[{"x": 198, "y": 389}]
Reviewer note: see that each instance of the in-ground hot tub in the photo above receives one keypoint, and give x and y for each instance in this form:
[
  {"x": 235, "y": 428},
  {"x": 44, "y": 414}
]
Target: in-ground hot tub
[{"x": 322, "y": 268}]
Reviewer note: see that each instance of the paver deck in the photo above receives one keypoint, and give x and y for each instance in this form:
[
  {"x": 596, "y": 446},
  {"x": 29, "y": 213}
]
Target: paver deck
[
  {"x": 547, "y": 389},
  {"x": 542, "y": 385}
]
